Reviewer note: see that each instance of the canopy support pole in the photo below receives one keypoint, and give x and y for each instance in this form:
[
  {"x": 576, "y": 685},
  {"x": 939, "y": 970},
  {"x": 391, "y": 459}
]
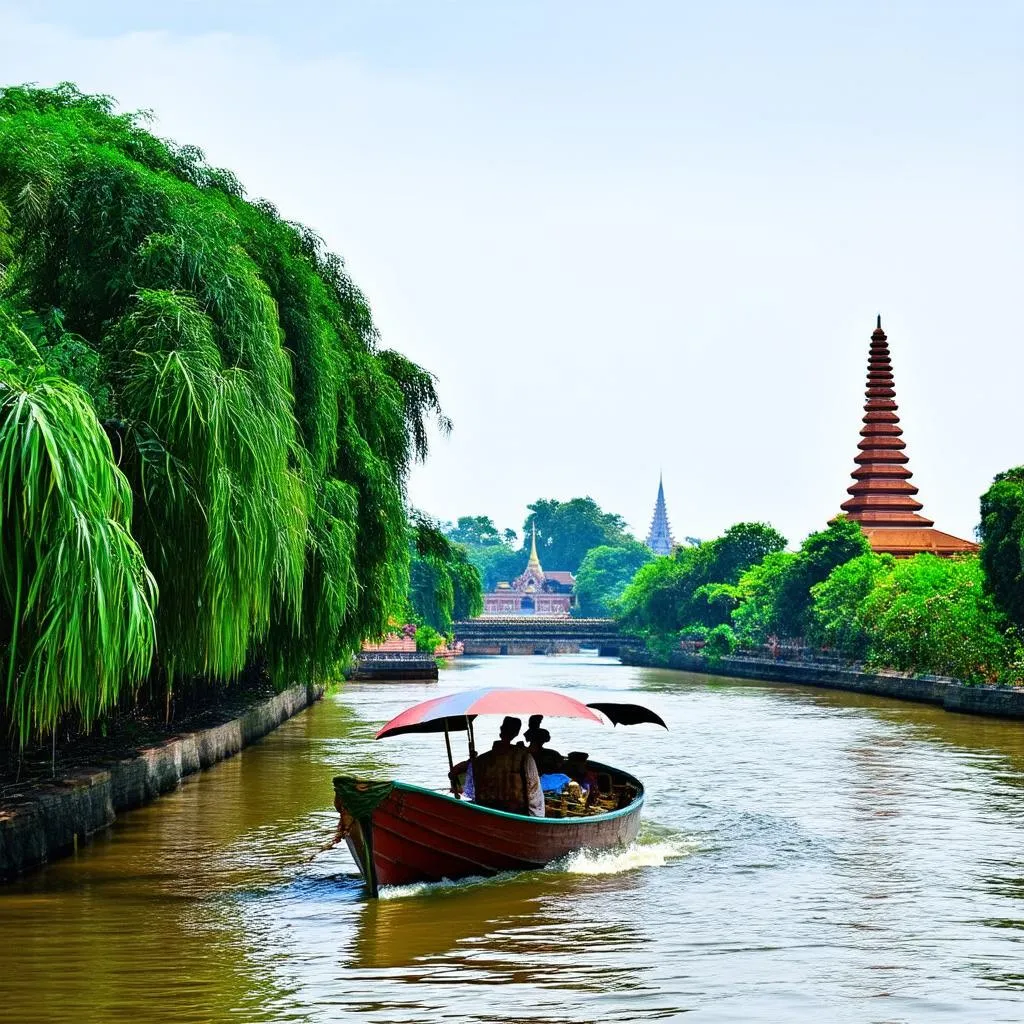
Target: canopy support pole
[
  {"x": 448, "y": 745},
  {"x": 455, "y": 787}
]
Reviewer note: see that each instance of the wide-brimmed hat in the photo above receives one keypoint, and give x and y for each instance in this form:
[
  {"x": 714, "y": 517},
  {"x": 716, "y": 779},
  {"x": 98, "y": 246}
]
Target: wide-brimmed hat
[
  {"x": 538, "y": 734},
  {"x": 577, "y": 755}
]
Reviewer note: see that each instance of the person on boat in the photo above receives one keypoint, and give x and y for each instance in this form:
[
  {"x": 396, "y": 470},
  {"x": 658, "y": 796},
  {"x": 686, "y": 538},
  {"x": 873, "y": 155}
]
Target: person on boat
[
  {"x": 505, "y": 777},
  {"x": 576, "y": 767},
  {"x": 548, "y": 761}
]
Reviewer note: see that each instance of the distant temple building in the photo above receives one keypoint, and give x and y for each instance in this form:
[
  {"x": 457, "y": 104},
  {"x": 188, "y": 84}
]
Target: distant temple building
[
  {"x": 659, "y": 537},
  {"x": 535, "y": 592},
  {"x": 882, "y": 496}
]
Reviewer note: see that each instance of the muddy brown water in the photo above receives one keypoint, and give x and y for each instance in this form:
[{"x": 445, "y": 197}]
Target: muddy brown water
[{"x": 807, "y": 855}]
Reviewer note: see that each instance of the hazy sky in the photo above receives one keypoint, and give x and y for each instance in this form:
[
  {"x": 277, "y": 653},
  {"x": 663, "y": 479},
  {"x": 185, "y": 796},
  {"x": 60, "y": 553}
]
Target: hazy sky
[{"x": 629, "y": 237}]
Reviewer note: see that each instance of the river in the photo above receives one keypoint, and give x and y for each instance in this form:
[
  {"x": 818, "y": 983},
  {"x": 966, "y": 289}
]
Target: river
[{"x": 807, "y": 855}]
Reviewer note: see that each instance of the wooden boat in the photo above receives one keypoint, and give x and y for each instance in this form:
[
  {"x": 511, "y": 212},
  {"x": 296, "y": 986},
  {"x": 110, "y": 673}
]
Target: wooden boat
[{"x": 399, "y": 833}]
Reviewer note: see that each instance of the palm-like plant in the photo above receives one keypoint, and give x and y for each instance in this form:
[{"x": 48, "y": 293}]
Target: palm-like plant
[{"x": 77, "y": 594}]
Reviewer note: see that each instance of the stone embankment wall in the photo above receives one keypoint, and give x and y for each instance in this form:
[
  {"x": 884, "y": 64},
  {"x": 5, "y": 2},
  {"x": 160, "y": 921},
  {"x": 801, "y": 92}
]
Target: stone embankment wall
[
  {"x": 951, "y": 694},
  {"x": 57, "y": 816}
]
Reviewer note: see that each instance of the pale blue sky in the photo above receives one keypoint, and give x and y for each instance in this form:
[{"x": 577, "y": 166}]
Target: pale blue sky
[{"x": 630, "y": 237}]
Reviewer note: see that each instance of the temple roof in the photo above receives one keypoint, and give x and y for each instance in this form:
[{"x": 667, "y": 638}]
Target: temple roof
[
  {"x": 659, "y": 537},
  {"x": 561, "y": 576},
  {"x": 914, "y": 541},
  {"x": 882, "y": 498}
]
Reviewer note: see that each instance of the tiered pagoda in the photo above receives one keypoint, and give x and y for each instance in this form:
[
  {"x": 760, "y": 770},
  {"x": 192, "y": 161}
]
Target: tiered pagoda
[
  {"x": 659, "y": 537},
  {"x": 882, "y": 498}
]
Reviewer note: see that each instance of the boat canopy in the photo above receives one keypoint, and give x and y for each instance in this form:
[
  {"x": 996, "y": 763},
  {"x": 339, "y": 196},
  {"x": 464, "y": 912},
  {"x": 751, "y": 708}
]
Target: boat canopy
[{"x": 455, "y": 712}]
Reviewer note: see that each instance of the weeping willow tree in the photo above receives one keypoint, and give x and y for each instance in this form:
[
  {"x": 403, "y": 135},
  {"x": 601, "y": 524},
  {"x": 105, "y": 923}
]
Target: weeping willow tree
[
  {"x": 204, "y": 446},
  {"x": 444, "y": 585}
]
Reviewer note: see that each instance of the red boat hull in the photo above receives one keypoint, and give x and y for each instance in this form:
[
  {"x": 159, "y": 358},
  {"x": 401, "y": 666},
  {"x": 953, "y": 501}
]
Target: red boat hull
[{"x": 417, "y": 835}]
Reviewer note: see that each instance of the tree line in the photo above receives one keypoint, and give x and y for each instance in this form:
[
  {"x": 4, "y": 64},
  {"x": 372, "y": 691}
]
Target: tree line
[{"x": 961, "y": 617}]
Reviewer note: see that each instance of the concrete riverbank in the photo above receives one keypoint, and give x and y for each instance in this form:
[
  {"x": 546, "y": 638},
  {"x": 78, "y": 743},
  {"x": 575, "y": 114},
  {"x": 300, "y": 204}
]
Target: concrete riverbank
[
  {"x": 951, "y": 694},
  {"x": 53, "y": 818}
]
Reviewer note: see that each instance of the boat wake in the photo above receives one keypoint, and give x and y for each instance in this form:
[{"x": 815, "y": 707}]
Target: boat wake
[
  {"x": 402, "y": 892},
  {"x": 652, "y": 852},
  {"x": 614, "y": 862}
]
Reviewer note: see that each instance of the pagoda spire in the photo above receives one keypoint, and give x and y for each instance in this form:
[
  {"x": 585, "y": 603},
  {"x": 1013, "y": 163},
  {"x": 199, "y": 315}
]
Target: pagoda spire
[
  {"x": 534, "y": 562},
  {"x": 659, "y": 537},
  {"x": 882, "y": 494}
]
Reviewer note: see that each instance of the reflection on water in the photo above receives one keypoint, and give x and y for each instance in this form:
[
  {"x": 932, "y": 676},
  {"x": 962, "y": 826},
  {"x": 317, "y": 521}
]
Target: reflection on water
[{"x": 807, "y": 855}]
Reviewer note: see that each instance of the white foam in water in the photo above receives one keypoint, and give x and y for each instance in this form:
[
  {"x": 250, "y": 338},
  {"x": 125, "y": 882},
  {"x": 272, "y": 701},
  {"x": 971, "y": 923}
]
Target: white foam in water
[
  {"x": 582, "y": 862},
  {"x": 401, "y": 892},
  {"x": 614, "y": 862}
]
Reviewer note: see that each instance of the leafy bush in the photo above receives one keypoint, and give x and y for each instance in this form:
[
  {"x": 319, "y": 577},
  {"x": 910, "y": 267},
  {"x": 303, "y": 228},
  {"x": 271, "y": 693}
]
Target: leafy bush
[
  {"x": 1002, "y": 548},
  {"x": 691, "y": 586},
  {"x": 605, "y": 573},
  {"x": 428, "y": 639},
  {"x": 930, "y": 614},
  {"x": 444, "y": 585},
  {"x": 721, "y": 642},
  {"x": 837, "y": 619}
]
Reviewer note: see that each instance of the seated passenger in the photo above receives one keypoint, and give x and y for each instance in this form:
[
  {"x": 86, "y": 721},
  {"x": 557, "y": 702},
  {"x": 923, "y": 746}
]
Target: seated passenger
[
  {"x": 547, "y": 760},
  {"x": 577, "y": 770},
  {"x": 505, "y": 777},
  {"x": 460, "y": 779}
]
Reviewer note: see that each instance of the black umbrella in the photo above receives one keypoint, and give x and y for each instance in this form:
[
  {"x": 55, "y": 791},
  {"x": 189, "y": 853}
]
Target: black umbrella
[{"x": 628, "y": 714}]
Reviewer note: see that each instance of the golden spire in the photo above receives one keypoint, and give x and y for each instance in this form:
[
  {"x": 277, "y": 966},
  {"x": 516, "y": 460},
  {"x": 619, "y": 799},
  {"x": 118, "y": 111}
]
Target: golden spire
[{"x": 534, "y": 562}]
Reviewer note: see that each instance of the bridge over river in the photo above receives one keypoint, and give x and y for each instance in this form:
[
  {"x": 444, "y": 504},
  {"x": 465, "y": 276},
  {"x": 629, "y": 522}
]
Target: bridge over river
[{"x": 538, "y": 634}]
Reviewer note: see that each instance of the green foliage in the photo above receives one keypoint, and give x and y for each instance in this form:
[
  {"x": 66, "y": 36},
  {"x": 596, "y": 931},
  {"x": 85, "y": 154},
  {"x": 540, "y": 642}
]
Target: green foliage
[
  {"x": 497, "y": 563},
  {"x": 428, "y": 639},
  {"x": 491, "y": 552},
  {"x": 740, "y": 547},
  {"x": 758, "y": 598},
  {"x": 779, "y": 595},
  {"x": 77, "y": 598},
  {"x": 67, "y": 355},
  {"x": 696, "y": 586},
  {"x": 479, "y": 531},
  {"x": 604, "y": 574},
  {"x": 661, "y": 645},
  {"x": 444, "y": 585},
  {"x": 930, "y": 614},
  {"x": 836, "y": 619},
  {"x": 694, "y": 633},
  {"x": 1002, "y": 548},
  {"x": 920, "y": 614},
  {"x": 651, "y": 601},
  {"x": 720, "y": 643},
  {"x": 223, "y": 520},
  {"x": 567, "y": 530},
  {"x": 263, "y": 434}
]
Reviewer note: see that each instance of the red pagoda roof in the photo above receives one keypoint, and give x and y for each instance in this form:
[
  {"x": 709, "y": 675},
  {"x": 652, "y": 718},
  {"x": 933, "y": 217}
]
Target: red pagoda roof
[
  {"x": 903, "y": 543},
  {"x": 882, "y": 498}
]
